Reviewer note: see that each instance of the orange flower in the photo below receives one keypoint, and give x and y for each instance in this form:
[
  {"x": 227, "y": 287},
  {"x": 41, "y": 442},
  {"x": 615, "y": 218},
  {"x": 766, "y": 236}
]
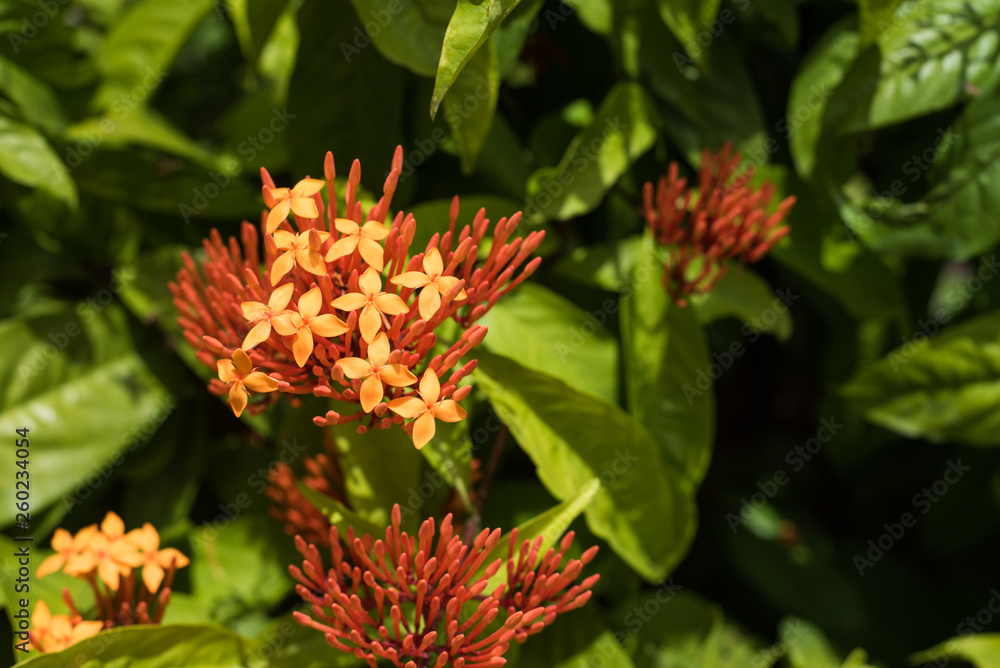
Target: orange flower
[
  {"x": 365, "y": 239},
  {"x": 376, "y": 371},
  {"x": 111, "y": 559},
  {"x": 298, "y": 199},
  {"x": 307, "y": 322},
  {"x": 152, "y": 559},
  {"x": 240, "y": 375},
  {"x": 63, "y": 544},
  {"x": 302, "y": 249},
  {"x": 427, "y": 408},
  {"x": 372, "y": 302},
  {"x": 52, "y": 633},
  {"x": 435, "y": 286},
  {"x": 263, "y": 314}
]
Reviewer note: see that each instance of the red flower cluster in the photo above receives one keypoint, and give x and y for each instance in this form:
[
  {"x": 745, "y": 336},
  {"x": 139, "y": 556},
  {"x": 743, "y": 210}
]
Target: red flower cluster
[
  {"x": 337, "y": 307},
  {"x": 291, "y": 507},
  {"x": 421, "y": 603},
  {"x": 727, "y": 219}
]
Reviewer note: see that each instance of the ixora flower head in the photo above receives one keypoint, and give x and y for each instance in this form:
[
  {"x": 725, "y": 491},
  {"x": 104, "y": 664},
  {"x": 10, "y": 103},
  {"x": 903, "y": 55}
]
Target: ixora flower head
[
  {"x": 339, "y": 305},
  {"x": 421, "y": 602},
  {"x": 129, "y": 574},
  {"x": 727, "y": 219}
]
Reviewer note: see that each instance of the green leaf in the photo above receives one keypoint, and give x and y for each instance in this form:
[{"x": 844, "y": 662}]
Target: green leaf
[
  {"x": 288, "y": 644},
  {"x": 664, "y": 350},
  {"x": 547, "y": 333},
  {"x": 876, "y": 16},
  {"x": 450, "y": 454},
  {"x": 74, "y": 376},
  {"x": 743, "y": 294},
  {"x": 645, "y": 507},
  {"x": 38, "y": 103},
  {"x": 150, "y": 647},
  {"x": 26, "y": 158},
  {"x": 471, "y": 103},
  {"x": 942, "y": 388},
  {"x": 339, "y": 514},
  {"x": 580, "y": 640},
  {"x": 140, "y": 48},
  {"x": 381, "y": 468},
  {"x": 408, "y": 34},
  {"x": 980, "y": 649},
  {"x": 686, "y": 19},
  {"x": 807, "y": 646},
  {"x": 468, "y": 30},
  {"x": 596, "y": 158}
]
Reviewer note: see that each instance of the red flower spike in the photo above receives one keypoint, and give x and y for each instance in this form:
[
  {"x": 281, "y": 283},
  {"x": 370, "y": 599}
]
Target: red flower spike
[
  {"x": 320, "y": 264},
  {"x": 727, "y": 220},
  {"x": 437, "y": 612}
]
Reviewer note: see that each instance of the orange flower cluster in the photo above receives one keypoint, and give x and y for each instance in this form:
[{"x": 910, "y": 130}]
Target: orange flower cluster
[
  {"x": 418, "y": 602},
  {"x": 727, "y": 220},
  {"x": 109, "y": 560},
  {"x": 338, "y": 307}
]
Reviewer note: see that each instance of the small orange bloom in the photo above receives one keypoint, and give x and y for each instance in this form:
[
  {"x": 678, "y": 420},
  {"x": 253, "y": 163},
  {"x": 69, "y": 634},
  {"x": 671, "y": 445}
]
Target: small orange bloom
[
  {"x": 298, "y": 199},
  {"x": 98, "y": 553},
  {"x": 372, "y": 302},
  {"x": 302, "y": 249},
  {"x": 153, "y": 560},
  {"x": 63, "y": 544},
  {"x": 365, "y": 239},
  {"x": 240, "y": 375},
  {"x": 307, "y": 322},
  {"x": 376, "y": 371},
  {"x": 53, "y": 633},
  {"x": 427, "y": 408},
  {"x": 435, "y": 286},
  {"x": 263, "y": 314}
]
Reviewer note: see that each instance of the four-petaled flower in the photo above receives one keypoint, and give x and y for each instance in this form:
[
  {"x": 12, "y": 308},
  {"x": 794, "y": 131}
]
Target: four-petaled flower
[
  {"x": 65, "y": 547},
  {"x": 52, "y": 633},
  {"x": 263, "y": 314},
  {"x": 433, "y": 283},
  {"x": 307, "y": 322},
  {"x": 427, "y": 408},
  {"x": 365, "y": 239},
  {"x": 239, "y": 373},
  {"x": 302, "y": 249},
  {"x": 372, "y": 302},
  {"x": 111, "y": 558},
  {"x": 376, "y": 371},
  {"x": 153, "y": 560},
  {"x": 298, "y": 199}
]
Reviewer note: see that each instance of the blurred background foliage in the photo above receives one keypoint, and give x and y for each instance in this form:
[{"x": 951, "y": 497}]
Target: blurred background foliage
[{"x": 129, "y": 129}]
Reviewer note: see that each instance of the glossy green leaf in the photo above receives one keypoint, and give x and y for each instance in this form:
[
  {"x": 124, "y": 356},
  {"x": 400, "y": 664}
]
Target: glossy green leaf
[
  {"x": 982, "y": 650},
  {"x": 644, "y": 508},
  {"x": 468, "y": 30},
  {"x": 596, "y": 158},
  {"x": 339, "y": 514},
  {"x": 150, "y": 647},
  {"x": 743, "y": 294},
  {"x": 686, "y": 19},
  {"x": 664, "y": 351},
  {"x": 942, "y": 388},
  {"x": 27, "y": 159},
  {"x": 471, "y": 103},
  {"x": 74, "y": 376},
  {"x": 38, "y": 104},
  {"x": 876, "y": 17},
  {"x": 139, "y": 50},
  {"x": 807, "y": 646},
  {"x": 547, "y": 333},
  {"x": 409, "y": 34},
  {"x": 288, "y": 644}
]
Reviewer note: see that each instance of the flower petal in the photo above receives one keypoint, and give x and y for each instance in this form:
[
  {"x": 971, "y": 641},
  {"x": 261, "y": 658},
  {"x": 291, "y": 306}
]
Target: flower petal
[
  {"x": 124, "y": 553},
  {"x": 311, "y": 261},
  {"x": 277, "y": 215},
  {"x": 342, "y": 248},
  {"x": 152, "y": 576},
  {"x": 369, "y": 323},
  {"x": 397, "y": 375},
  {"x": 286, "y": 324},
  {"x": 390, "y": 304},
  {"x": 282, "y": 265},
  {"x": 308, "y": 187},
  {"x": 52, "y": 563},
  {"x": 430, "y": 388},
  {"x": 370, "y": 282},
  {"x": 259, "y": 381},
  {"x": 304, "y": 207},
  {"x": 371, "y": 252},
  {"x": 112, "y": 526},
  {"x": 327, "y": 325},
  {"x": 446, "y": 283},
  {"x": 62, "y": 540},
  {"x": 254, "y": 310},
  {"x": 375, "y": 230},
  {"x": 355, "y": 367},
  {"x": 310, "y": 303},
  {"x": 350, "y": 302},
  {"x": 423, "y": 430},
  {"x": 429, "y": 302},
  {"x": 378, "y": 350},
  {"x": 449, "y": 411},
  {"x": 242, "y": 362},
  {"x": 237, "y": 398},
  {"x": 170, "y": 556},
  {"x": 346, "y": 226},
  {"x": 302, "y": 346},
  {"x": 260, "y": 333},
  {"x": 107, "y": 570},
  {"x": 433, "y": 264},
  {"x": 41, "y": 616},
  {"x": 227, "y": 372},
  {"x": 145, "y": 538},
  {"x": 281, "y": 296},
  {"x": 85, "y": 630},
  {"x": 411, "y": 279},
  {"x": 371, "y": 393},
  {"x": 408, "y": 407},
  {"x": 284, "y": 239}
]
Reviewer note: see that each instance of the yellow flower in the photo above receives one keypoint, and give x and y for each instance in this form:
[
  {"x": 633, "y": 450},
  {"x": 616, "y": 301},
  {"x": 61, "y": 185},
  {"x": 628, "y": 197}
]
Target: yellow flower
[
  {"x": 375, "y": 371},
  {"x": 263, "y": 314},
  {"x": 427, "y": 408},
  {"x": 52, "y": 633},
  {"x": 372, "y": 302},
  {"x": 152, "y": 559},
  {"x": 433, "y": 283},
  {"x": 302, "y": 249},
  {"x": 307, "y": 322},
  {"x": 239, "y": 374},
  {"x": 363, "y": 239},
  {"x": 298, "y": 199}
]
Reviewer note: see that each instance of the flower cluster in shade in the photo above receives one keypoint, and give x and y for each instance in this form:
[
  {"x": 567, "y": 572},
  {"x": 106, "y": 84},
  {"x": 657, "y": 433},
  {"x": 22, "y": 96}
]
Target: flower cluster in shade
[
  {"x": 726, "y": 219},
  {"x": 340, "y": 305},
  {"x": 129, "y": 574},
  {"x": 426, "y": 601}
]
